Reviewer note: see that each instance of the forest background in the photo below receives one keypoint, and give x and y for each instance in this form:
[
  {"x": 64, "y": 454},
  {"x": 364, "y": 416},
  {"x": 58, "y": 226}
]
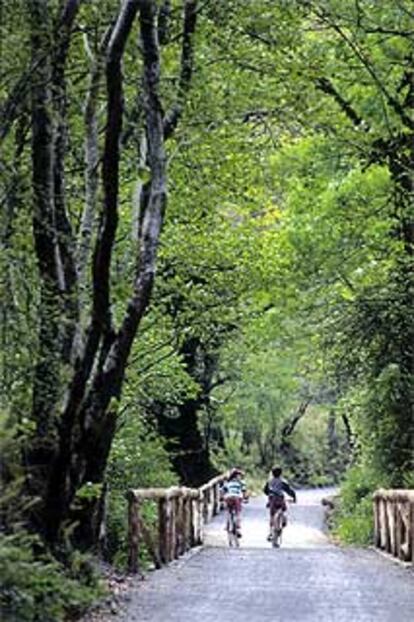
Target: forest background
[{"x": 207, "y": 244}]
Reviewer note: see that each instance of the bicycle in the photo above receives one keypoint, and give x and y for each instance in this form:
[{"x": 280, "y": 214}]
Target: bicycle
[
  {"x": 232, "y": 531},
  {"x": 278, "y": 524}
]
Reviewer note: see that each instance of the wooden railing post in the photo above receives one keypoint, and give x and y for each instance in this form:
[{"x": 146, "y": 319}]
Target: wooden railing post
[
  {"x": 186, "y": 513},
  {"x": 179, "y": 550},
  {"x": 399, "y": 530},
  {"x": 381, "y": 517},
  {"x": 163, "y": 529},
  {"x": 205, "y": 505},
  {"x": 182, "y": 513},
  {"x": 134, "y": 533},
  {"x": 192, "y": 517},
  {"x": 171, "y": 529},
  {"x": 215, "y": 499},
  {"x": 201, "y": 516},
  {"x": 394, "y": 522},
  {"x": 388, "y": 527},
  {"x": 191, "y": 531},
  {"x": 393, "y": 527},
  {"x": 377, "y": 529}
]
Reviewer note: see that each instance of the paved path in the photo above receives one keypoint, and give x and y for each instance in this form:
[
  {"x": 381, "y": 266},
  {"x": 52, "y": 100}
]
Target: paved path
[
  {"x": 305, "y": 528},
  {"x": 308, "y": 579}
]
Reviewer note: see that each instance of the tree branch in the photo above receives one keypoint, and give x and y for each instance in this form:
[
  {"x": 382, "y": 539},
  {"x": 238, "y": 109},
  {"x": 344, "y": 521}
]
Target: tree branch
[
  {"x": 164, "y": 18},
  {"x": 154, "y": 212},
  {"x": 15, "y": 102},
  {"x": 326, "y": 86},
  {"x": 392, "y": 101},
  {"x": 110, "y": 166},
  {"x": 289, "y": 427},
  {"x": 64, "y": 236},
  {"x": 100, "y": 321},
  {"x": 187, "y": 65}
]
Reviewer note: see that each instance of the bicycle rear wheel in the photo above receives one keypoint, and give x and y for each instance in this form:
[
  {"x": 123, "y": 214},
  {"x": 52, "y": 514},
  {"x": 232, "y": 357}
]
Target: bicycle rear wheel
[
  {"x": 232, "y": 536},
  {"x": 277, "y": 529}
]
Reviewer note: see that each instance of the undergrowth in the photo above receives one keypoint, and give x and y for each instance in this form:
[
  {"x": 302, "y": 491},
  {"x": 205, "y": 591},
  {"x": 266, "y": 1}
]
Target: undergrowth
[
  {"x": 35, "y": 587},
  {"x": 353, "y": 517}
]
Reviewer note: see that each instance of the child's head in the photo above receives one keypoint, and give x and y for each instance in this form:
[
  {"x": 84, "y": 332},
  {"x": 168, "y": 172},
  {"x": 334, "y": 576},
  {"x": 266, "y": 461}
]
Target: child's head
[
  {"x": 276, "y": 471},
  {"x": 235, "y": 473}
]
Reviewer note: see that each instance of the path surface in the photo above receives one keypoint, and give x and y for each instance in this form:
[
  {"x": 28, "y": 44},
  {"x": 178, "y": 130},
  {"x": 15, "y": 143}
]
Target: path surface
[
  {"x": 305, "y": 528},
  {"x": 308, "y": 579}
]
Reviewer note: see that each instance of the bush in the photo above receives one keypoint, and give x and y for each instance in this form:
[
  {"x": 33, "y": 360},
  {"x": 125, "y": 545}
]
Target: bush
[
  {"x": 356, "y": 527},
  {"x": 353, "y": 521},
  {"x": 36, "y": 588}
]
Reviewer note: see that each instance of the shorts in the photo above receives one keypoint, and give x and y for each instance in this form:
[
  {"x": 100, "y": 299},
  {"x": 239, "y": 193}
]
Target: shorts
[
  {"x": 234, "y": 503},
  {"x": 276, "y": 502}
]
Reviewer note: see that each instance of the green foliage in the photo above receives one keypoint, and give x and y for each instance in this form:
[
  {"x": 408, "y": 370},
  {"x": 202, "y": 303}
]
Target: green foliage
[
  {"x": 37, "y": 588},
  {"x": 34, "y": 586},
  {"x": 320, "y": 448},
  {"x": 233, "y": 453},
  {"x": 353, "y": 521},
  {"x": 355, "y": 526}
]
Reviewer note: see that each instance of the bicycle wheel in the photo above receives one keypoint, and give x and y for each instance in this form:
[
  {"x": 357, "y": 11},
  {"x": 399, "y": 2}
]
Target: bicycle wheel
[
  {"x": 277, "y": 529},
  {"x": 232, "y": 530}
]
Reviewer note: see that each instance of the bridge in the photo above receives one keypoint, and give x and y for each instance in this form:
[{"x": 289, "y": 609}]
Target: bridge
[{"x": 308, "y": 579}]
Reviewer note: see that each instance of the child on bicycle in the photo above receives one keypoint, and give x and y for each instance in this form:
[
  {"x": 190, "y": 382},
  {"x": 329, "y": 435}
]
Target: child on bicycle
[
  {"x": 275, "y": 488},
  {"x": 234, "y": 491}
]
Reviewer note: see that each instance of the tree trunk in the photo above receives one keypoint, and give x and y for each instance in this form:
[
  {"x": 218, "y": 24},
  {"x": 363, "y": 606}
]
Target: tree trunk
[
  {"x": 74, "y": 437},
  {"x": 190, "y": 456},
  {"x": 189, "y": 449}
]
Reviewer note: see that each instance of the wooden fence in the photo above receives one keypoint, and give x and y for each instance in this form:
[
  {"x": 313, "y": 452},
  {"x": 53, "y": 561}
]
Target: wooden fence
[
  {"x": 394, "y": 522},
  {"x": 180, "y": 517}
]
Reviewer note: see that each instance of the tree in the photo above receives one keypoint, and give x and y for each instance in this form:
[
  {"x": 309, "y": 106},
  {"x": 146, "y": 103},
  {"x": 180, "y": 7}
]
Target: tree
[{"x": 81, "y": 359}]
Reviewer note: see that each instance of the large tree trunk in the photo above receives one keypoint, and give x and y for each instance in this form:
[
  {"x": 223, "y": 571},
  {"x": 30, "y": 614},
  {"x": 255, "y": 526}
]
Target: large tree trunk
[
  {"x": 88, "y": 396},
  {"x": 189, "y": 449},
  {"x": 47, "y": 380},
  {"x": 88, "y": 422},
  {"x": 190, "y": 455}
]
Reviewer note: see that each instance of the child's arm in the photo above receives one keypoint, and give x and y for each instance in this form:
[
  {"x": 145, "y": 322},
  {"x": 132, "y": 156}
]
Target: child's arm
[{"x": 289, "y": 491}]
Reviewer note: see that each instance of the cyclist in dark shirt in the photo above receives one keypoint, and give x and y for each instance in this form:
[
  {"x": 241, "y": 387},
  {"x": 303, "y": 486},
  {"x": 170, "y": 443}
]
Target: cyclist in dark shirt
[{"x": 275, "y": 488}]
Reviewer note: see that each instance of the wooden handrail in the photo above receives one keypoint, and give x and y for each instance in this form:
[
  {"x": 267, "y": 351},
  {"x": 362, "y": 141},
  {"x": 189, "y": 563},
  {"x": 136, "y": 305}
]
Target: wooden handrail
[
  {"x": 394, "y": 522},
  {"x": 181, "y": 515}
]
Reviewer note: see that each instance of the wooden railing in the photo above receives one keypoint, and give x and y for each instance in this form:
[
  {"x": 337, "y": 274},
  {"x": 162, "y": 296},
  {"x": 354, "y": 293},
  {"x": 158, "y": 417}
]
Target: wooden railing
[
  {"x": 394, "y": 522},
  {"x": 180, "y": 517}
]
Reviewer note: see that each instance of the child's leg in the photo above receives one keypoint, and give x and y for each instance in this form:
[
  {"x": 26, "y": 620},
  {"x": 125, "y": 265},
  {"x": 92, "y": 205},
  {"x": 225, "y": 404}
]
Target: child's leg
[{"x": 272, "y": 513}]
